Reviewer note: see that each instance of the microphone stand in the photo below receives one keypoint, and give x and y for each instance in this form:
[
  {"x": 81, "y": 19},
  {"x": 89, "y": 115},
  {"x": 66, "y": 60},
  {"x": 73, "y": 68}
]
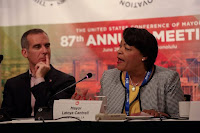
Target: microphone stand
[
  {"x": 46, "y": 113},
  {"x": 51, "y": 98}
]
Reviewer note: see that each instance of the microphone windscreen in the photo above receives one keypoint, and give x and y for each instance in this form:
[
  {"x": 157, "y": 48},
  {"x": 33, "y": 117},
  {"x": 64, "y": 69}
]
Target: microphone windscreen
[
  {"x": 89, "y": 75},
  {"x": 1, "y": 57}
]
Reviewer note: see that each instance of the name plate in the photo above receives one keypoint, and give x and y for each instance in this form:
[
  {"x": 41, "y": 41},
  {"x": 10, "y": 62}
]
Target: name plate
[{"x": 84, "y": 110}]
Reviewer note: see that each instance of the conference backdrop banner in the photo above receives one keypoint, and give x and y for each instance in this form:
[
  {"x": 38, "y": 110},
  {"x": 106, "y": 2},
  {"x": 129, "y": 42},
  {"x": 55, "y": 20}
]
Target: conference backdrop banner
[{"x": 85, "y": 35}]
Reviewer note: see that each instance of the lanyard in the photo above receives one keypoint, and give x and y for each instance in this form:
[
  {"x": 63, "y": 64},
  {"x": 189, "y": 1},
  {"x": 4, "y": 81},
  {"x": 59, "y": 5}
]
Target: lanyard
[{"x": 147, "y": 76}]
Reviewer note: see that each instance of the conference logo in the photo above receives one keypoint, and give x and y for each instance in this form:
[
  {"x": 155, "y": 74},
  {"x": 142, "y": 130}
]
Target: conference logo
[
  {"x": 135, "y": 3},
  {"x": 49, "y": 3},
  {"x": 77, "y": 103}
]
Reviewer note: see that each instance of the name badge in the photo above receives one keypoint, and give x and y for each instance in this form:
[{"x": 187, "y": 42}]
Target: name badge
[{"x": 84, "y": 110}]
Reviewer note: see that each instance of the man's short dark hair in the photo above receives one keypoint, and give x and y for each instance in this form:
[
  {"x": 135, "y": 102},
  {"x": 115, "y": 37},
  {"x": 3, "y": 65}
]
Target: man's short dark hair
[
  {"x": 24, "y": 41},
  {"x": 145, "y": 42}
]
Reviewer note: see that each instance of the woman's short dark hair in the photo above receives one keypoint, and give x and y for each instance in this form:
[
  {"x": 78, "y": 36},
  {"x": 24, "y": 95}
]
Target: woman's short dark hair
[
  {"x": 24, "y": 41},
  {"x": 145, "y": 42}
]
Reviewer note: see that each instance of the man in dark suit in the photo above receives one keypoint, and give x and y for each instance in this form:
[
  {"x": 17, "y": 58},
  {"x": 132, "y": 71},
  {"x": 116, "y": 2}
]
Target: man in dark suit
[{"x": 25, "y": 93}]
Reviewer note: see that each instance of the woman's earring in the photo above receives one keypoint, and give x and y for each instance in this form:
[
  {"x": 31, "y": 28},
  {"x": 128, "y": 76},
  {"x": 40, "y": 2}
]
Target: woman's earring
[{"x": 142, "y": 59}]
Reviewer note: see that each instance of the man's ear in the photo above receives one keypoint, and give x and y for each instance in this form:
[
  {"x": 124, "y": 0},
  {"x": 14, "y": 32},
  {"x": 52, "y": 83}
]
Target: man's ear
[{"x": 24, "y": 52}]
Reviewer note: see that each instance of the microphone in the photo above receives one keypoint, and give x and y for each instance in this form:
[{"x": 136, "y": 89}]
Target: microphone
[
  {"x": 1, "y": 58},
  {"x": 46, "y": 113},
  {"x": 89, "y": 75}
]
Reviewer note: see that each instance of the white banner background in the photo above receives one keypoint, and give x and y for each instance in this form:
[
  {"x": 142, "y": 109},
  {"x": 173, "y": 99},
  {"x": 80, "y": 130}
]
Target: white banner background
[{"x": 31, "y": 12}]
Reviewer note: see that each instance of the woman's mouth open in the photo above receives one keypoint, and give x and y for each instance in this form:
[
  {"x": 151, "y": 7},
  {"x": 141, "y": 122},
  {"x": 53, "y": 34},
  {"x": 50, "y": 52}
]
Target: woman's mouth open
[{"x": 119, "y": 60}]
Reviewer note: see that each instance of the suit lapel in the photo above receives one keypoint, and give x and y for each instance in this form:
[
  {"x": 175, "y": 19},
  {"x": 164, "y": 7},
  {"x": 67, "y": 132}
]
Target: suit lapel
[
  {"x": 51, "y": 75},
  {"x": 26, "y": 80}
]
